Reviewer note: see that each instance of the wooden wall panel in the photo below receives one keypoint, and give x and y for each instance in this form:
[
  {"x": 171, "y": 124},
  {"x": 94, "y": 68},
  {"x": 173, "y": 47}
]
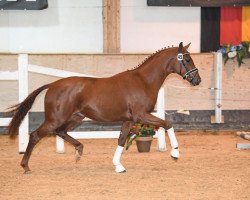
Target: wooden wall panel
[
  {"x": 179, "y": 94},
  {"x": 111, "y": 26},
  {"x": 236, "y": 85}
]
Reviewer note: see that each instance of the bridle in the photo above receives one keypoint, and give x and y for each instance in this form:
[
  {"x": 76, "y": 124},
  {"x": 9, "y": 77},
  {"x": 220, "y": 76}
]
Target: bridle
[{"x": 180, "y": 58}]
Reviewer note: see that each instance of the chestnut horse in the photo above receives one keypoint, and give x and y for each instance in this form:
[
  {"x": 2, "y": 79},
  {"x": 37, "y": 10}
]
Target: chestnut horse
[{"x": 129, "y": 97}]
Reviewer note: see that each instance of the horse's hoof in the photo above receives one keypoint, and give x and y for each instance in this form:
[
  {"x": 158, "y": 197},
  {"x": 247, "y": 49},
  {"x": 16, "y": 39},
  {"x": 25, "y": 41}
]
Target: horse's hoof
[
  {"x": 77, "y": 156},
  {"x": 175, "y": 154},
  {"x": 26, "y": 168},
  {"x": 27, "y": 172},
  {"x": 174, "y": 158},
  {"x": 77, "y": 159},
  {"x": 120, "y": 169}
]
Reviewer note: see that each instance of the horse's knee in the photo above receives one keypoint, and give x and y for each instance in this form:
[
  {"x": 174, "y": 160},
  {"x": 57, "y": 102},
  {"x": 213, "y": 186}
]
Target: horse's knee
[
  {"x": 168, "y": 125},
  {"x": 122, "y": 139},
  {"x": 126, "y": 126}
]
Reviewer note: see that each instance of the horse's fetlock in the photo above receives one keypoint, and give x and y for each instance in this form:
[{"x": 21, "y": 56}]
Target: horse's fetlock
[
  {"x": 79, "y": 148},
  {"x": 22, "y": 165}
]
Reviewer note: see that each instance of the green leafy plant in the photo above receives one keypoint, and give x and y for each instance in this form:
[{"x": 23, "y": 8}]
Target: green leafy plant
[
  {"x": 239, "y": 52},
  {"x": 140, "y": 130}
]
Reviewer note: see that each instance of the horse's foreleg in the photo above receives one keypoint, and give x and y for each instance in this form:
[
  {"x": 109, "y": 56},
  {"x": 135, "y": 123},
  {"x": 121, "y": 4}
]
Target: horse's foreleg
[
  {"x": 126, "y": 126},
  {"x": 151, "y": 119},
  {"x": 73, "y": 122}
]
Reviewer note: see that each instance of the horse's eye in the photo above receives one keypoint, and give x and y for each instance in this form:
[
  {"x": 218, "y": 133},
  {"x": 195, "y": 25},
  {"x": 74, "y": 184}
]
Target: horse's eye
[{"x": 188, "y": 59}]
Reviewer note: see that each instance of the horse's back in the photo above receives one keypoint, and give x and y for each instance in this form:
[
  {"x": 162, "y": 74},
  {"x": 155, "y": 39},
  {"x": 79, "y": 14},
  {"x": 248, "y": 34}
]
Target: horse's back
[{"x": 100, "y": 99}]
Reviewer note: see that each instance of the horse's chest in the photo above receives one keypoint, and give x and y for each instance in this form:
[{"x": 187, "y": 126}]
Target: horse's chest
[
  {"x": 149, "y": 106},
  {"x": 144, "y": 102}
]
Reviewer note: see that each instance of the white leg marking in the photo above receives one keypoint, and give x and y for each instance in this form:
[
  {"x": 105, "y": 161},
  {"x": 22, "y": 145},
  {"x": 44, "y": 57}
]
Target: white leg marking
[
  {"x": 116, "y": 160},
  {"x": 174, "y": 144}
]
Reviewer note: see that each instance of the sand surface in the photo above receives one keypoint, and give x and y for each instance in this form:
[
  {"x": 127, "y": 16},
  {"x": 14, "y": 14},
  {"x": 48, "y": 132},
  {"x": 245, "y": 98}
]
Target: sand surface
[{"x": 210, "y": 167}]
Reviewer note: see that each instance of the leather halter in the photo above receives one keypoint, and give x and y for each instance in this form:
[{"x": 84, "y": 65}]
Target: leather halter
[{"x": 180, "y": 58}]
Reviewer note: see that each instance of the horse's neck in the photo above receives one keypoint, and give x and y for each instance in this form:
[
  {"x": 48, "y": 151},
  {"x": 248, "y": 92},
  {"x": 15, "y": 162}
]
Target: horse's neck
[{"x": 154, "y": 71}]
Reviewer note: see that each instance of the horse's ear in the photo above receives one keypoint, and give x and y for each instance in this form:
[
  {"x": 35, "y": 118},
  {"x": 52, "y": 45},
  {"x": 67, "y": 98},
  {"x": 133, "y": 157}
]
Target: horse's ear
[
  {"x": 186, "y": 47},
  {"x": 180, "y": 47}
]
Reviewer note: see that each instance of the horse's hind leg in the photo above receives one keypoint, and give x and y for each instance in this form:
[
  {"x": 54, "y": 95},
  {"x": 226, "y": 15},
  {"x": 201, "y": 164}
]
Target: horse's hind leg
[
  {"x": 46, "y": 128},
  {"x": 35, "y": 137},
  {"x": 74, "y": 121}
]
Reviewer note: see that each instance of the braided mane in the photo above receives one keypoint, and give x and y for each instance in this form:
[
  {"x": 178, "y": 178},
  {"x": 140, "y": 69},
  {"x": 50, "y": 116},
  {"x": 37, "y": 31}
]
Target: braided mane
[{"x": 149, "y": 57}]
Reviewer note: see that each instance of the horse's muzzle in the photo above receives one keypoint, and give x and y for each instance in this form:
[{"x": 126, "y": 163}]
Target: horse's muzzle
[{"x": 195, "y": 81}]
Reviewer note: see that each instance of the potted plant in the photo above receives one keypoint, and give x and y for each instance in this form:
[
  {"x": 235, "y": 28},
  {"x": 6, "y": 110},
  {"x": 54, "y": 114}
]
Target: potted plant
[
  {"x": 240, "y": 52},
  {"x": 143, "y": 135}
]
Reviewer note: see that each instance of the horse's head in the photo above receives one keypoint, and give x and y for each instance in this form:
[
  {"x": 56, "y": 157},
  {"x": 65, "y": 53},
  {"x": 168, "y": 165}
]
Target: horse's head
[{"x": 185, "y": 66}]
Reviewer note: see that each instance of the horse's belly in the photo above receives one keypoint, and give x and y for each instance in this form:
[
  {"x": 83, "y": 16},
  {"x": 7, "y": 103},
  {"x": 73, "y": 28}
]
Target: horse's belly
[{"x": 106, "y": 113}]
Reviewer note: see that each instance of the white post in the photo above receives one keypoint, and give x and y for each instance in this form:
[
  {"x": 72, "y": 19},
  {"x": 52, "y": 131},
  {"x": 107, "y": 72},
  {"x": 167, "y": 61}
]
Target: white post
[
  {"x": 23, "y": 93},
  {"x": 59, "y": 145},
  {"x": 160, "y": 106},
  {"x": 218, "y": 86}
]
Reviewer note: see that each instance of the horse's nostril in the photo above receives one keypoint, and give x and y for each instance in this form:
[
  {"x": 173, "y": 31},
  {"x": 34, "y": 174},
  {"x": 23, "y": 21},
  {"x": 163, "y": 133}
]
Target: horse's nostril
[{"x": 196, "y": 81}]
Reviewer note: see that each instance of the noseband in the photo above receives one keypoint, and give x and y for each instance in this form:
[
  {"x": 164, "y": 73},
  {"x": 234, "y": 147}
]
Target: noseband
[{"x": 180, "y": 58}]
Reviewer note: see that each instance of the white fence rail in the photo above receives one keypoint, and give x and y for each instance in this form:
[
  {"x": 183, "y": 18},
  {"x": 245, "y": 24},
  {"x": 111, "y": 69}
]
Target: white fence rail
[{"x": 22, "y": 77}]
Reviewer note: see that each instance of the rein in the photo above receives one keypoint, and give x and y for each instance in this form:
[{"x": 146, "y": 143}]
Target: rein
[{"x": 180, "y": 58}]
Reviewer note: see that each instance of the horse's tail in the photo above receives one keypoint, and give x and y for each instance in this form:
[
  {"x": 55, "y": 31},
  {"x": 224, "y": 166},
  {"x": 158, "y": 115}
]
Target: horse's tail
[{"x": 20, "y": 110}]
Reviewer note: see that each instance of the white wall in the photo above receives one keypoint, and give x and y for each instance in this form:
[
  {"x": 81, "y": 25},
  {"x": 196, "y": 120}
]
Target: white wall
[
  {"x": 67, "y": 26},
  {"x": 147, "y": 29},
  {"x": 73, "y": 26}
]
